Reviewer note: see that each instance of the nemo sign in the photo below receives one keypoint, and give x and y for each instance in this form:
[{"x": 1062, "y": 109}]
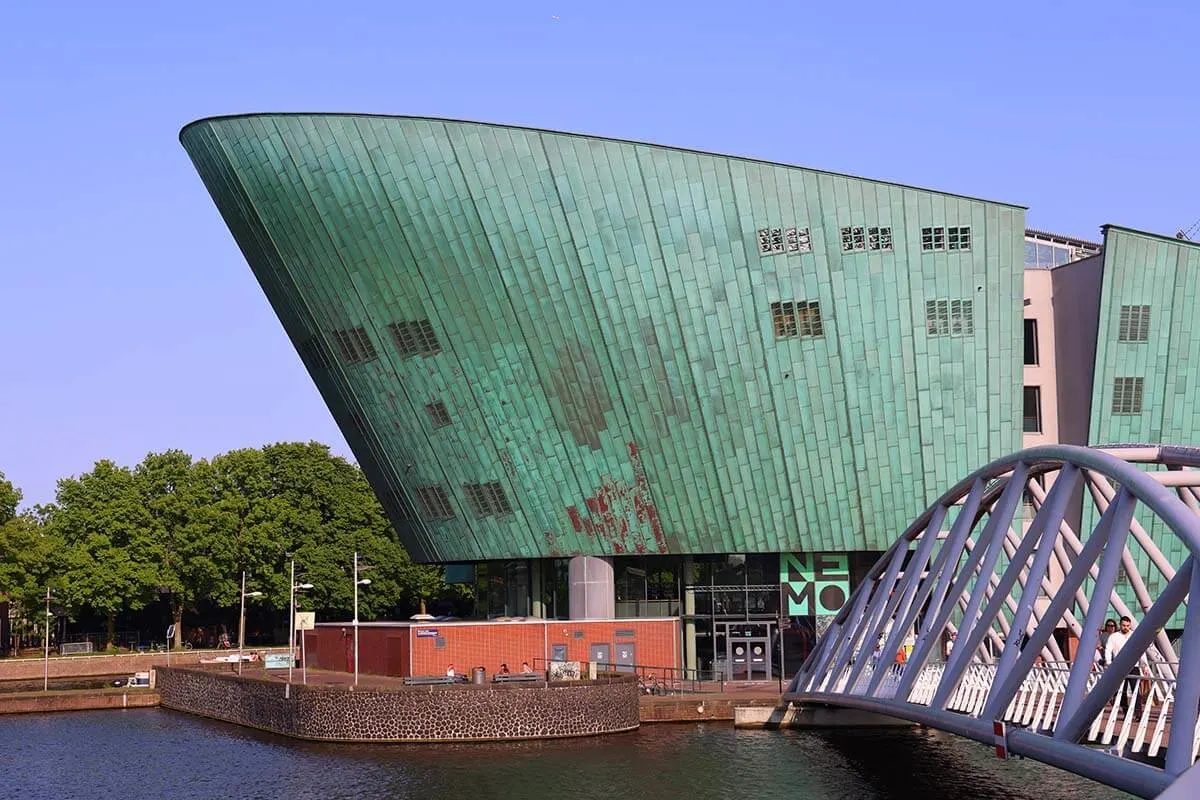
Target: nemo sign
[{"x": 814, "y": 584}]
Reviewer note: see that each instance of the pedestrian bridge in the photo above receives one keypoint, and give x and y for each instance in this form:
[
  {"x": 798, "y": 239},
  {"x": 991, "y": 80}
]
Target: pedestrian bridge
[{"x": 1023, "y": 562}]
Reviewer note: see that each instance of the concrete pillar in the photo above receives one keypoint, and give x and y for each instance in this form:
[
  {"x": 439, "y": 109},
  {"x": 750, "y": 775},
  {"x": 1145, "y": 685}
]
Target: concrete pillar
[
  {"x": 689, "y": 609},
  {"x": 593, "y": 588},
  {"x": 536, "y": 606}
]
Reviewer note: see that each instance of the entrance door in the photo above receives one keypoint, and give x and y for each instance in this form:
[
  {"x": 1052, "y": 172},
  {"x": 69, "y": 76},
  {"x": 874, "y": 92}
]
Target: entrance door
[
  {"x": 626, "y": 656},
  {"x": 749, "y": 659},
  {"x": 601, "y": 656}
]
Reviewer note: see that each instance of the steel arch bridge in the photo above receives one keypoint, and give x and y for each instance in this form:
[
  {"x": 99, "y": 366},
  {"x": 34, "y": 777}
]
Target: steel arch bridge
[{"x": 974, "y": 566}]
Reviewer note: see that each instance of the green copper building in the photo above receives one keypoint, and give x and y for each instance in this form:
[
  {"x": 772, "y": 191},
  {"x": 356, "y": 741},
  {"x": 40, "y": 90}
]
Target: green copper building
[{"x": 621, "y": 378}]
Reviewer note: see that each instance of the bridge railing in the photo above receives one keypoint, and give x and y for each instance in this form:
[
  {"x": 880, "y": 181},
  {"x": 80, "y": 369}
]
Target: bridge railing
[{"x": 1005, "y": 585}]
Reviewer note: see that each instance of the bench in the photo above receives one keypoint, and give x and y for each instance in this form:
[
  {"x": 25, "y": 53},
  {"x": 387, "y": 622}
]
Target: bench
[
  {"x": 434, "y": 680},
  {"x": 518, "y": 677}
]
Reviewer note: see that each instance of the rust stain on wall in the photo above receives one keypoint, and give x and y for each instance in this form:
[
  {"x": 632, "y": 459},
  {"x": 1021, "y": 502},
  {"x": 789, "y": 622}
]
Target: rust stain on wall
[{"x": 619, "y": 510}]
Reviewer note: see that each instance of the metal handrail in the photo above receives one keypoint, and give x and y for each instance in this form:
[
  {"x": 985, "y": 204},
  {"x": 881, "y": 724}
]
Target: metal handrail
[{"x": 655, "y": 680}]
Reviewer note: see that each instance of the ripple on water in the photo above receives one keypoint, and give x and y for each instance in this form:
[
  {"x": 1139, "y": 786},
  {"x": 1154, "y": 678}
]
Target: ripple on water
[{"x": 133, "y": 755}]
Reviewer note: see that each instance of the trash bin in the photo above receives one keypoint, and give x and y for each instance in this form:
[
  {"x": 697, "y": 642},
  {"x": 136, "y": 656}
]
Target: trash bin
[{"x": 479, "y": 676}]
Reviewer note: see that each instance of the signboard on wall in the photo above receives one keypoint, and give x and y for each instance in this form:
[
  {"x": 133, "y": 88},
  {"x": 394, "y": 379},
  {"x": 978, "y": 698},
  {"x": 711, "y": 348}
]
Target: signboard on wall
[
  {"x": 427, "y": 633},
  {"x": 814, "y": 584}
]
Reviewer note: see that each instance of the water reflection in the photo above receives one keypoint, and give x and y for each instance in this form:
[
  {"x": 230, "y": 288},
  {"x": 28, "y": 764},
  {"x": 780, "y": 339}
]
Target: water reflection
[{"x": 156, "y": 754}]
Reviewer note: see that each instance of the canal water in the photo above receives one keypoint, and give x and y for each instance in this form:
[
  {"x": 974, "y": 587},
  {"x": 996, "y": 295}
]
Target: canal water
[{"x": 155, "y": 753}]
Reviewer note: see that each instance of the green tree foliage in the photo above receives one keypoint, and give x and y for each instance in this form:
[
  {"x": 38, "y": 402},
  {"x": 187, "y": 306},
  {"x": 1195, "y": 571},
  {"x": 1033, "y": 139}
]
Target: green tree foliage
[
  {"x": 183, "y": 531},
  {"x": 27, "y": 551},
  {"x": 10, "y": 498},
  {"x": 110, "y": 554}
]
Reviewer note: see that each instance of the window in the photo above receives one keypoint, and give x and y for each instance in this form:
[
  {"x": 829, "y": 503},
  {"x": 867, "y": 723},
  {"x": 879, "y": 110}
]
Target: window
[
  {"x": 770, "y": 241},
  {"x": 797, "y": 318},
  {"x": 415, "y": 338},
  {"x": 853, "y": 240},
  {"x": 1135, "y": 324},
  {"x": 1031, "y": 343},
  {"x": 1033, "y": 410},
  {"x": 435, "y": 502},
  {"x": 438, "y": 413},
  {"x": 933, "y": 239},
  {"x": 958, "y": 238},
  {"x": 879, "y": 238},
  {"x": 487, "y": 499},
  {"x": 1127, "y": 396},
  {"x": 355, "y": 345},
  {"x": 798, "y": 240},
  {"x": 950, "y": 317}
]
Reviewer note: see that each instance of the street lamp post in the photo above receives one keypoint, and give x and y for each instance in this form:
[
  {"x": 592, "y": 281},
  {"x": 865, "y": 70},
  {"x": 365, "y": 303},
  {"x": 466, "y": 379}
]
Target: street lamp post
[
  {"x": 46, "y": 659},
  {"x": 357, "y": 583},
  {"x": 292, "y": 622},
  {"x": 242, "y": 620}
]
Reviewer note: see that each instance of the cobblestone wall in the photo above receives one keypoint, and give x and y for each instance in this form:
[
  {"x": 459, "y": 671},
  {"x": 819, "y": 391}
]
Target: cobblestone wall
[{"x": 413, "y": 714}]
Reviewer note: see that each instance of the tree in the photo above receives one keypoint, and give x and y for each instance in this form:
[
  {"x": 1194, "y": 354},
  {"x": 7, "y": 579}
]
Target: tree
[
  {"x": 109, "y": 556},
  {"x": 10, "y": 498}
]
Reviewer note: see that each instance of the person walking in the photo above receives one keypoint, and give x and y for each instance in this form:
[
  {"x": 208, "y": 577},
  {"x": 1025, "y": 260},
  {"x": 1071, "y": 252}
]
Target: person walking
[{"x": 1116, "y": 643}]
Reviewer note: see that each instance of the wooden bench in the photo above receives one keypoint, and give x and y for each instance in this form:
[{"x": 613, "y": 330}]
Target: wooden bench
[
  {"x": 434, "y": 680},
  {"x": 518, "y": 677}
]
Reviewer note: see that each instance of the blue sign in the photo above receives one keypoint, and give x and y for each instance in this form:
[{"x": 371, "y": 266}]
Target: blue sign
[{"x": 427, "y": 633}]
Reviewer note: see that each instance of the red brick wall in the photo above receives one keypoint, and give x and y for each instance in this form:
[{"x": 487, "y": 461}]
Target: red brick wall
[
  {"x": 384, "y": 650},
  {"x": 381, "y": 650}
]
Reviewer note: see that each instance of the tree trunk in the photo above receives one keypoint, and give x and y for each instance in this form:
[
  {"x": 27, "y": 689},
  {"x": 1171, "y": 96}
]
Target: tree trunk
[
  {"x": 112, "y": 629},
  {"x": 177, "y": 620}
]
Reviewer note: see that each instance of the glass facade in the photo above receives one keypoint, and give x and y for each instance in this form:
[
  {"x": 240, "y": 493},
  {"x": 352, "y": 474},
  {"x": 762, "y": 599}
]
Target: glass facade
[{"x": 647, "y": 586}]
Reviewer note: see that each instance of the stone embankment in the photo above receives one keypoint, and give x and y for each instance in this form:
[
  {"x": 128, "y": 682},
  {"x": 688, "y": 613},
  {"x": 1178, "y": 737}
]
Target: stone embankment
[
  {"x": 120, "y": 664},
  {"x": 77, "y": 700},
  {"x": 405, "y": 714}
]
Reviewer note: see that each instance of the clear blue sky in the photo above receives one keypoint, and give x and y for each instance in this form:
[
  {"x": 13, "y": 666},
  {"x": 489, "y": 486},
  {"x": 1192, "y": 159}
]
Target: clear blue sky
[{"x": 129, "y": 321}]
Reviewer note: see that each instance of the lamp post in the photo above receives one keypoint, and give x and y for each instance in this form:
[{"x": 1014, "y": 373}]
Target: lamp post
[
  {"x": 357, "y": 583},
  {"x": 242, "y": 620},
  {"x": 46, "y": 658},
  {"x": 292, "y": 622}
]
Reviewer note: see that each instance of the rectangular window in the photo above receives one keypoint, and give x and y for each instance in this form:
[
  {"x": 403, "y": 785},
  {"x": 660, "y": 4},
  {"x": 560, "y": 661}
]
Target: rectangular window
[
  {"x": 798, "y": 240},
  {"x": 1127, "y": 395},
  {"x": 770, "y": 241},
  {"x": 808, "y": 315},
  {"x": 355, "y": 345},
  {"x": 958, "y": 238},
  {"x": 488, "y": 499},
  {"x": 1033, "y": 410},
  {"x": 933, "y": 239},
  {"x": 1031, "y": 343},
  {"x": 438, "y": 413},
  {"x": 783, "y": 315},
  {"x": 415, "y": 338},
  {"x": 950, "y": 317},
  {"x": 879, "y": 238},
  {"x": 854, "y": 240},
  {"x": 1135, "y": 324},
  {"x": 435, "y": 502},
  {"x": 764, "y": 241},
  {"x": 797, "y": 318}
]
